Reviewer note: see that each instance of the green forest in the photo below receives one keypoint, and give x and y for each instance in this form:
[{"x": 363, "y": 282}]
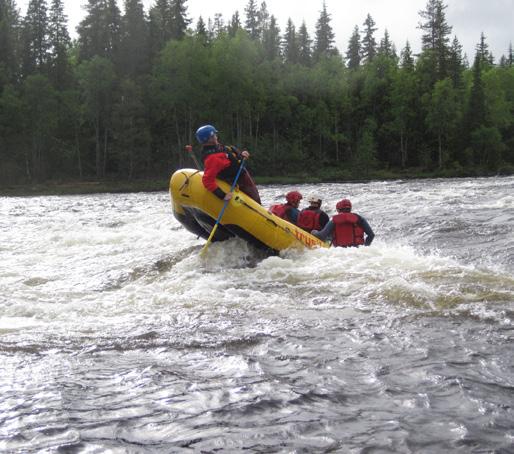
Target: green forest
[{"x": 122, "y": 100}]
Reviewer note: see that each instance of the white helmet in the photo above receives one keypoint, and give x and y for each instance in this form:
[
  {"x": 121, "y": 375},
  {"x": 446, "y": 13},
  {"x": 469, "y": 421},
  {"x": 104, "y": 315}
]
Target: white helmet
[{"x": 315, "y": 198}]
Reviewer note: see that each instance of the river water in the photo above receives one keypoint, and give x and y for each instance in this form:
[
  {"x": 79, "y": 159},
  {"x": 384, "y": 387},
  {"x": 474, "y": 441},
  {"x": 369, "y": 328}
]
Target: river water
[{"x": 116, "y": 336}]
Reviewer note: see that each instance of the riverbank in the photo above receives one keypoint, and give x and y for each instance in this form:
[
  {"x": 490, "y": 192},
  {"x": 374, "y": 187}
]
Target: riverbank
[
  {"x": 154, "y": 185},
  {"x": 83, "y": 187}
]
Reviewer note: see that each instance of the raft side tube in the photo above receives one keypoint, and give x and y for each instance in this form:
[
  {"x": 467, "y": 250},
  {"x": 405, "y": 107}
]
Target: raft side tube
[{"x": 243, "y": 217}]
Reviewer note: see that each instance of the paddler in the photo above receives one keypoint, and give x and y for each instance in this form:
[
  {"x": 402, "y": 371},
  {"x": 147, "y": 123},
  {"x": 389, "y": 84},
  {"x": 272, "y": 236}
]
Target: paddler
[
  {"x": 223, "y": 162},
  {"x": 289, "y": 210},
  {"x": 313, "y": 217},
  {"x": 347, "y": 229}
]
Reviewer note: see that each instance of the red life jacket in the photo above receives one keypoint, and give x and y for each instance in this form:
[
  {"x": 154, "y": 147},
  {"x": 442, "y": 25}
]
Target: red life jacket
[
  {"x": 281, "y": 210},
  {"x": 347, "y": 232},
  {"x": 309, "y": 219}
]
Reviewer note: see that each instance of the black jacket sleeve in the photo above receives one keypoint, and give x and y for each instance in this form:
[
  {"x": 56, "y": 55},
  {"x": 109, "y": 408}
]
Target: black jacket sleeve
[
  {"x": 219, "y": 193},
  {"x": 323, "y": 219},
  {"x": 367, "y": 230}
]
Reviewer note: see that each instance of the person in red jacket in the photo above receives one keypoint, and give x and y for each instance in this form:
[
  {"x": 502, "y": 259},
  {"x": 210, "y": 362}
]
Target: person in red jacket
[
  {"x": 346, "y": 228},
  {"x": 313, "y": 217},
  {"x": 289, "y": 210},
  {"x": 223, "y": 162}
]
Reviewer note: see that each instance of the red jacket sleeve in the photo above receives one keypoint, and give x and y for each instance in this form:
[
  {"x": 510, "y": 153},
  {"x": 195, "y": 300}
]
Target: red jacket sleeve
[{"x": 214, "y": 164}]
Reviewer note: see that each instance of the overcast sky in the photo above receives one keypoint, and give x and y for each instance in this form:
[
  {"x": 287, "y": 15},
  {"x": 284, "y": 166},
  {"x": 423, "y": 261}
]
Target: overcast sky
[{"x": 468, "y": 18}]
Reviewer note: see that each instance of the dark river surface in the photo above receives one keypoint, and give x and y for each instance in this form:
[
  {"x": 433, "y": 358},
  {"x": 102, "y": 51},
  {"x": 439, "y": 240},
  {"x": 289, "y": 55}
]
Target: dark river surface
[{"x": 116, "y": 336}]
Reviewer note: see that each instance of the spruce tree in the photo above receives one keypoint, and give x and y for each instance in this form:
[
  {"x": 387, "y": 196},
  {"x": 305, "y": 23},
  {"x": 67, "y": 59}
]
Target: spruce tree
[
  {"x": 263, "y": 20},
  {"x": 9, "y": 36},
  {"x": 369, "y": 44},
  {"x": 304, "y": 46},
  {"x": 252, "y": 19},
  {"x": 510, "y": 56},
  {"x": 97, "y": 78},
  {"x": 403, "y": 103},
  {"x": 324, "y": 40},
  {"x": 113, "y": 22},
  {"x": 482, "y": 48},
  {"x": 436, "y": 35},
  {"x": 60, "y": 69},
  {"x": 35, "y": 38},
  {"x": 160, "y": 25},
  {"x": 386, "y": 47},
  {"x": 455, "y": 63},
  {"x": 134, "y": 40},
  {"x": 476, "y": 112},
  {"x": 234, "y": 25},
  {"x": 441, "y": 116},
  {"x": 353, "y": 54},
  {"x": 179, "y": 19},
  {"x": 271, "y": 40},
  {"x": 201, "y": 30},
  {"x": 407, "y": 60},
  {"x": 99, "y": 31},
  {"x": 290, "y": 44},
  {"x": 41, "y": 109},
  {"x": 218, "y": 25}
]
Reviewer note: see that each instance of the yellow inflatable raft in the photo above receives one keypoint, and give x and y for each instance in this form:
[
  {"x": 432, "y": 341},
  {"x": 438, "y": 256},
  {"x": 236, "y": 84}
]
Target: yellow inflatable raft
[{"x": 197, "y": 210}]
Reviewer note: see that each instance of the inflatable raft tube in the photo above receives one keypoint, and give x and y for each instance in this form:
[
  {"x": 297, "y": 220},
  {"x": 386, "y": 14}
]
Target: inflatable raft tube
[{"x": 197, "y": 210}]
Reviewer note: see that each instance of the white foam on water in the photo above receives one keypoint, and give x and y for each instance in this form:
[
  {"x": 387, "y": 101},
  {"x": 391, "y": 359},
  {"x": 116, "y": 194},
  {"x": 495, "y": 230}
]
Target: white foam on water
[{"x": 96, "y": 257}]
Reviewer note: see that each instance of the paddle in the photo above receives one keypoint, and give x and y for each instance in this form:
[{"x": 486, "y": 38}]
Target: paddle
[
  {"x": 189, "y": 149},
  {"x": 213, "y": 231}
]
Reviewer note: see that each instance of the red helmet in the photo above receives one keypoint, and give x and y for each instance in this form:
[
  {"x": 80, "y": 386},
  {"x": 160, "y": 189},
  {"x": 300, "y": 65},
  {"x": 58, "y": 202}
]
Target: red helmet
[
  {"x": 293, "y": 197},
  {"x": 344, "y": 204}
]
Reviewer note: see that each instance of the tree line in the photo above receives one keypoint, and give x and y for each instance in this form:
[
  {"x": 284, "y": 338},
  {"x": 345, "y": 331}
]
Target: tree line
[{"x": 122, "y": 99}]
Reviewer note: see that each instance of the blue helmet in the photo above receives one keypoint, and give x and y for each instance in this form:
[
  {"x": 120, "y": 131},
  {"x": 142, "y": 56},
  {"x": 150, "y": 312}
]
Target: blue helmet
[{"x": 204, "y": 133}]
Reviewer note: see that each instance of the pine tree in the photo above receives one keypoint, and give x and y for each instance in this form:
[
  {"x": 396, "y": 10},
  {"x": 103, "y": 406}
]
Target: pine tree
[
  {"x": 436, "y": 35},
  {"x": 35, "y": 38},
  {"x": 271, "y": 40},
  {"x": 290, "y": 44},
  {"x": 134, "y": 40},
  {"x": 179, "y": 19},
  {"x": 9, "y": 36},
  {"x": 234, "y": 25},
  {"x": 304, "y": 46},
  {"x": 60, "y": 69},
  {"x": 510, "y": 56},
  {"x": 324, "y": 41},
  {"x": 369, "y": 44},
  {"x": 407, "y": 60},
  {"x": 252, "y": 19},
  {"x": 353, "y": 54}
]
